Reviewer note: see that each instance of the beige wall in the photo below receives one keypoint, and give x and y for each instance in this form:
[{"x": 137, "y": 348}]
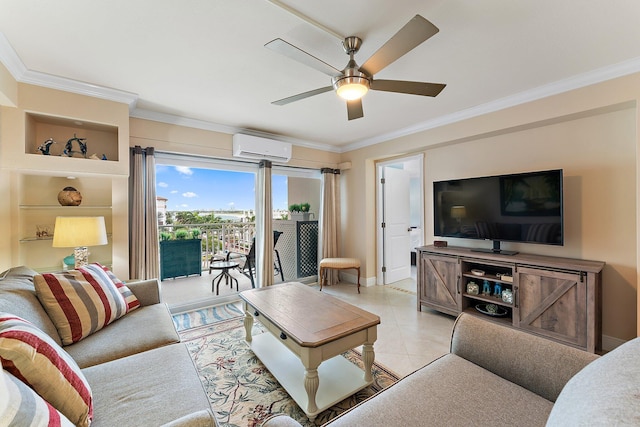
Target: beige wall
[
  {"x": 305, "y": 190},
  {"x": 590, "y": 133},
  {"x": 180, "y": 139}
]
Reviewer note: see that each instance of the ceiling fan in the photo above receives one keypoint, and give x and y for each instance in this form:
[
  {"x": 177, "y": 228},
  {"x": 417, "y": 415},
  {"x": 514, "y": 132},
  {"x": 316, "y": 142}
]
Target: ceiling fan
[{"x": 354, "y": 81}]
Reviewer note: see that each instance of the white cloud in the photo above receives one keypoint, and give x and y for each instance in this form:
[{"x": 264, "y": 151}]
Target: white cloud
[
  {"x": 174, "y": 192},
  {"x": 184, "y": 205},
  {"x": 163, "y": 184},
  {"x": 189, "y": 194},
  {"x": 184, "y": 170}
]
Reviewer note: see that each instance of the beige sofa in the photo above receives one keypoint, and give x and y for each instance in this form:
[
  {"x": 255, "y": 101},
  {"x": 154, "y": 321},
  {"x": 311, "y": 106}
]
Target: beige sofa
[
  {"x": 138, "y": 371},
  {"x": 498, "y": 376}
]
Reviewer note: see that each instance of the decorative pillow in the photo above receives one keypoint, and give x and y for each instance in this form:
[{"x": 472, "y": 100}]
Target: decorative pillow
[
  {"x": 129, "y": 297},
  {"x": 80, "y": 302},
  {"x": 35, "y": 359},
  {"x": 21, "y": 406}
]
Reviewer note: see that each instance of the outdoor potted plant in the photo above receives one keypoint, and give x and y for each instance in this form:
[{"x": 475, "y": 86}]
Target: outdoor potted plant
[{"x": 300, "y": 212}]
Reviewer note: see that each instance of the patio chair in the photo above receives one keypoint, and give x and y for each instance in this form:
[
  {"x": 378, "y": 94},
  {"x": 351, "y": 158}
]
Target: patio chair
[{"x": 248, "y": 261}]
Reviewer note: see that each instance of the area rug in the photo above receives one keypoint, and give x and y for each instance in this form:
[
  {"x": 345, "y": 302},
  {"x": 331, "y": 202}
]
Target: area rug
[
  {"x": 192, "y": 319},
  {"x": 241, "y": 390}
]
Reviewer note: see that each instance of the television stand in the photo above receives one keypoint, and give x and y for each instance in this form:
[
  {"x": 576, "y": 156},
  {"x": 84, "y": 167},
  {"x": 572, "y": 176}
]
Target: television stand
[
  {"x": 495, "y": 250},
  {"x": 556, "y": 298}
]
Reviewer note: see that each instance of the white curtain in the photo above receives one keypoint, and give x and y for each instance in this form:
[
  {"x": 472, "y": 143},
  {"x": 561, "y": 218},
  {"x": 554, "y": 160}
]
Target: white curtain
[
  {"x": 143, "y": 233},
  {"x": 264, "y": 226},
  {"x": 329, "y": 220}
]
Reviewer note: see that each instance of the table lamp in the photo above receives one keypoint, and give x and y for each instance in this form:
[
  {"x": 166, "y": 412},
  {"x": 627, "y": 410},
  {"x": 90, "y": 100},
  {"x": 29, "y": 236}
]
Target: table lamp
[{"x": 79, "y": 232}]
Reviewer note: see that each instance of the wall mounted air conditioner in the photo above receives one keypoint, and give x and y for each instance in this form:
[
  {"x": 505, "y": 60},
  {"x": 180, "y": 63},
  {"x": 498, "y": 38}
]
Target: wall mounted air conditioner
[{"x": 253, "y": 147}]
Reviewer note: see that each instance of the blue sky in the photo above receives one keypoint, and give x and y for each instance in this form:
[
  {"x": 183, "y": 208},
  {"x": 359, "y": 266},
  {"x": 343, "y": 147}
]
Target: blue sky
[{"x": 189, "y": 189}]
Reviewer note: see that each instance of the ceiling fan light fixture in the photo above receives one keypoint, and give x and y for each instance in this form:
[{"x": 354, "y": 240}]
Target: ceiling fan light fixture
[{"x": 352, "y": 88}]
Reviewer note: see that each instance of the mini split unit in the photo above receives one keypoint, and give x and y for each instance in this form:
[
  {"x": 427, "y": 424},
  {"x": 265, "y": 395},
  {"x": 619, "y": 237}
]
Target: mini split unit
[{"x": 253, "y": 147}]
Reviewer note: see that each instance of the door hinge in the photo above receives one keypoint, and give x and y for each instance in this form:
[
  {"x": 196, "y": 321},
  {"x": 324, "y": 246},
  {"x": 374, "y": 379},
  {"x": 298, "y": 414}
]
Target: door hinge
[
  {"x": 382, "y": 181},
  {"x": 384, "y": 225},
  {"x": 384, "y": 269}
]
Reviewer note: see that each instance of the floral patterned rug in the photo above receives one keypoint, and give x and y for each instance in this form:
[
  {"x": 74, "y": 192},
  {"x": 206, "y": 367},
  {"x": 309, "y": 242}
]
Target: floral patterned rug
[{"x": 242, "y": 391}]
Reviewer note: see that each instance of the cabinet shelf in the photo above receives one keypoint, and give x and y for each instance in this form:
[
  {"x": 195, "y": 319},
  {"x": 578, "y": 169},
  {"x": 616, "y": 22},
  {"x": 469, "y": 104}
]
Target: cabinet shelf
[
  {"x": 488, "y": 299},
  {"x": 44, "y": 239},
  {"x": 489, "y": 277},
  {"x": 55, "y": 207},
  {"x": 502, "y": 320}
]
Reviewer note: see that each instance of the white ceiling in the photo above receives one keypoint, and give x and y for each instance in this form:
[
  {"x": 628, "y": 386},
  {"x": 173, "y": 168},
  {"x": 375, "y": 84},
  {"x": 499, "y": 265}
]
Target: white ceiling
[{"x": 205, "y": 59}]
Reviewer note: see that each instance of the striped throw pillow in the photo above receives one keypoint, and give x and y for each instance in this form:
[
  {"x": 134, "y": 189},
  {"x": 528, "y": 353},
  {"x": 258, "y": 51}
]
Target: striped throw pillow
[
  {"x": 35, "y": 359},
  {"x": 129, "y": 297},
  {"x": 21, "y": 406},
  {"x": 80, "y": 302}
]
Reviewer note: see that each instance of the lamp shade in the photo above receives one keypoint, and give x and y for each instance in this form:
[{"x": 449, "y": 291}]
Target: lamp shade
[
  {"x": 351, "y": 88},
  {"x": 75, "y": 231}
]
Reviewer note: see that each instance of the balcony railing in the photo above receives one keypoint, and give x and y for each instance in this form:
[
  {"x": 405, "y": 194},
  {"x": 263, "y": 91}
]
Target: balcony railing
[
  {"x": 217, "y": 238},
  {"x": 297, "y": 246}
]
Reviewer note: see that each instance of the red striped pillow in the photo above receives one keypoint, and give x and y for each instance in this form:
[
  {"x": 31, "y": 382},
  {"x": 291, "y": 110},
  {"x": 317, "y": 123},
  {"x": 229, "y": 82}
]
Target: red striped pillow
[
  {"x": 129, "y": 297},
  {"x": 34, "y": 358},
  {"x": 21, "y": 406},
  {"x": 80, "y": 302}
]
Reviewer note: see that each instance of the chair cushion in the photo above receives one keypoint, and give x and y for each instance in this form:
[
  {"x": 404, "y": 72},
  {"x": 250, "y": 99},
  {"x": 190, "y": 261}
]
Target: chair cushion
[
  {"x": 83, "y": 301},
  {"x": 340, "y": 263},
  {"x": 33, "y": 357},
  {"x": 21, "y": 406}
]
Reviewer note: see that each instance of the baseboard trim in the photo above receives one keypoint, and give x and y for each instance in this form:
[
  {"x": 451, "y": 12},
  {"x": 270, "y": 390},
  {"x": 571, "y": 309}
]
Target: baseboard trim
[
  {"x": 349, "y": 277},
  {"x": 202, "y": 303},
  {"x": 610, "y": 343}
]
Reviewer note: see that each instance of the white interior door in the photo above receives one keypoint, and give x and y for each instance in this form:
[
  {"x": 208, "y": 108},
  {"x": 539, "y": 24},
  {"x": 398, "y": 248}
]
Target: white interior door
[{"x": 396, "y": 232}]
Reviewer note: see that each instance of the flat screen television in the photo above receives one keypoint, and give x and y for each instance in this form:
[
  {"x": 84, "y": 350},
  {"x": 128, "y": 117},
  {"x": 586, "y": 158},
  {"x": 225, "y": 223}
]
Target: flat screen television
[{"x": 523, "y": 207}]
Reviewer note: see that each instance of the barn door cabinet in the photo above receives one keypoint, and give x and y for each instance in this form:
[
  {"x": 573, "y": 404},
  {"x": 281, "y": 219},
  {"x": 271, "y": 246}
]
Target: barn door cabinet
[{"x": 557, "y": 298}]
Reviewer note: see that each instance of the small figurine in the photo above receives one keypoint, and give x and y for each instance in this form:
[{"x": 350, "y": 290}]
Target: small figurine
[
  {"x": 497, "y": 290},
  {"x": 486, "y": 289},
  {"x": 68, "y": 148},
  {"x": 46, "y": 146}
]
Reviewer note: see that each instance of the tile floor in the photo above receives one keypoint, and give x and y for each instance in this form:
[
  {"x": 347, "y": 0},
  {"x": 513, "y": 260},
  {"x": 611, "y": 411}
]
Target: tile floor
[{"x": 407, "y": 339}]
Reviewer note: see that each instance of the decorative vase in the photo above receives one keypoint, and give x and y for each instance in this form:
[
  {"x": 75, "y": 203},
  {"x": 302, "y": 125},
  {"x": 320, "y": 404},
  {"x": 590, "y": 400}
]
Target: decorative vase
[
  {"x": 473, "y": 288},
  {"x": 69, "y": 196},
  {"x": 507, "y": 296}
]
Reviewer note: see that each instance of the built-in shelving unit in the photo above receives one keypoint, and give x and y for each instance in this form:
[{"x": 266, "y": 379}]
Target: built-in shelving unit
[{"x": 36, "y": 189}]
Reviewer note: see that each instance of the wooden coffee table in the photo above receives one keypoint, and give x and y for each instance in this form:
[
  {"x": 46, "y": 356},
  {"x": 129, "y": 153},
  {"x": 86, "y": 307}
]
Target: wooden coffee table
[{"x": 315, "y": 328}]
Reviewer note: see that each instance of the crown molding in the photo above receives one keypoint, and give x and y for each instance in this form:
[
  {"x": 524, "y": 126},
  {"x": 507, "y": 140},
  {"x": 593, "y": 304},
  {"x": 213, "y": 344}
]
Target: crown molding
[
  {"x": 575, "y": 82},
  {"x": 171, "y": 119},
  {"x": 19, "y": 71}
]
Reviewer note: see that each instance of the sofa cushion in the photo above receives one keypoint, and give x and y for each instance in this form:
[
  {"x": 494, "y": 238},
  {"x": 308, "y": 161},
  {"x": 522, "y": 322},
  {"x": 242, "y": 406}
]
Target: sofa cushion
[
  {"x": 450, "y": 391},
  {"x": 80, "y": 302},
  {"x": 34, "y": 358},
  {"x": 605, "y": 392},
  {"x": 141, "y": 330},
  {"x": 21, "y": 406},
  {"x": 18, "y": 296},
  {"x": 152, "y": 388}
]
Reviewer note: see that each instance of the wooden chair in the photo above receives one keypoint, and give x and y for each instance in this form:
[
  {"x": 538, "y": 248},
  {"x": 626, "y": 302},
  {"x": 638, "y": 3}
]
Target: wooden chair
[
  {"x": 248, "y": 261},
  {"x": 338, "y": 264}
]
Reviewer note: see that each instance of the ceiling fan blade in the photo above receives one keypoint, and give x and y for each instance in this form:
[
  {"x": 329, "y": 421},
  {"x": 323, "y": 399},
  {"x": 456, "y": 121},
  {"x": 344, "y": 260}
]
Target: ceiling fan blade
[
  {"x": 297, "y": 54},
  {"x": 416, "y": 31},
  {"x": 303, "y": 95},
  {"x": 354, "y": 109},
  {"x": 412, "y": 88}
]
